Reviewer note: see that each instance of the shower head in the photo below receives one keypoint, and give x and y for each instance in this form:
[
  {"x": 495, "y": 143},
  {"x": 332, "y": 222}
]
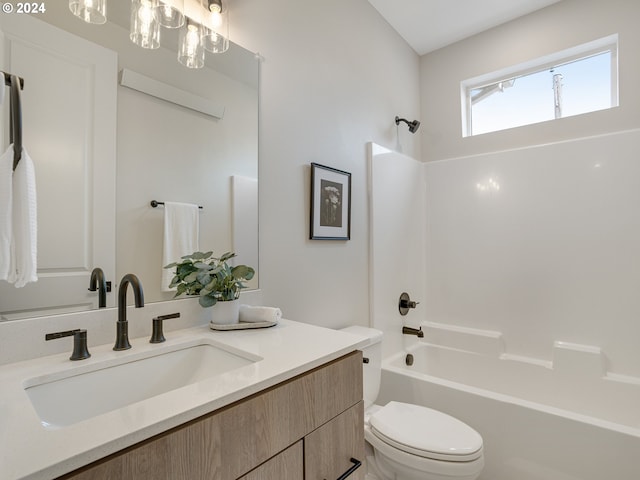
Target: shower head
[{"x": 413, "y": 126}]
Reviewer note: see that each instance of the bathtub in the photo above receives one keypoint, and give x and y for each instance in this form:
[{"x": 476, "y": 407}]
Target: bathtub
[{"x": 558, "y": 420}]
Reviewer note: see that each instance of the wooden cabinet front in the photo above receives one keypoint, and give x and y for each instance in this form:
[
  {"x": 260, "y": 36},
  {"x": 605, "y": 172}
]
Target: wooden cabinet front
[
  {"x": 287, "y": 465},
  {"x": 329, "y": 450},
  {"x": 232, "y": 441}
]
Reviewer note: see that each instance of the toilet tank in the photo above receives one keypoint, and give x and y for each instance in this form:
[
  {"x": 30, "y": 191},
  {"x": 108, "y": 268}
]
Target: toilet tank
[{"x": 372, "y": 366}]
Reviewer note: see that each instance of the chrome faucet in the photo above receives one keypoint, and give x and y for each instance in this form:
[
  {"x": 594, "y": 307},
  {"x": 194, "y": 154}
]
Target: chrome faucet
[
  {"x": 122, "y": 326},
  {"x": 413, "y": 331},
  {"x": 99, "y": 283}
]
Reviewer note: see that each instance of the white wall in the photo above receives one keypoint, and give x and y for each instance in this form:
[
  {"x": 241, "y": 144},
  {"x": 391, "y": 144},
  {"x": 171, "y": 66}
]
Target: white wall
[
  {"x": 334, "y": 77},
  {"x": 554, "y": 254}
]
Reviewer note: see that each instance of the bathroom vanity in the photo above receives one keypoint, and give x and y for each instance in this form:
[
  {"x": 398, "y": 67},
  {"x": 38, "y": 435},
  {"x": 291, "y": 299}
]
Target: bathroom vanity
[
  {"x": 305, "y": 428},
  {"x": 290, "y": 408}
]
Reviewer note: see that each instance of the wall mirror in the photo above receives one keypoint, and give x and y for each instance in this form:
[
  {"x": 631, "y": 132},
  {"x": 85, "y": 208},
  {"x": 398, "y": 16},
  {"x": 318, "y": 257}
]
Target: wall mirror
[{"x": 102, "y": 151}]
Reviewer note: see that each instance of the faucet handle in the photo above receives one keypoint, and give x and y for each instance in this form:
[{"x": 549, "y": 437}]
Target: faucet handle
[
  {"x": 157, "y": 336},
  {"x": 80, "y": 350},
  {"x": 406, "y": 303}
]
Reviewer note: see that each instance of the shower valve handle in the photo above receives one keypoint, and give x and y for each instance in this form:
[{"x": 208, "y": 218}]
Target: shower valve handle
[
  {"x": 408, "y": 304},
  {"x": 405, "y": 303}
]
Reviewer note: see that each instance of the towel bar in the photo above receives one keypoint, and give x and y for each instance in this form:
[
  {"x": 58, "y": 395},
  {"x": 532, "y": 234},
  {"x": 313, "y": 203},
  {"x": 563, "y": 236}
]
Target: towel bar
[{"x": 155, "y": 203}]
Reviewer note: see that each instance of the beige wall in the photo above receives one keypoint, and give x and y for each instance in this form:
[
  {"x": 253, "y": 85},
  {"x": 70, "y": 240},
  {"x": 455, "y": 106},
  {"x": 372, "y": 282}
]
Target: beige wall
[
  {"x": 552, "y": 29},
  {"x": 334, "y": 76}
]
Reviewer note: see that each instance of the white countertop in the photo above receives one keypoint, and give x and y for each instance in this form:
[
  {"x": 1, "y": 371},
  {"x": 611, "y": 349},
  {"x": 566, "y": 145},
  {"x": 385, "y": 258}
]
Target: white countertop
[{"x": 29, "y": 450}]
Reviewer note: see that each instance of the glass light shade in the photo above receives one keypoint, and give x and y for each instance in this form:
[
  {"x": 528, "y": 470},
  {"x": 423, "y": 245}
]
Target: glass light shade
[
  {"x": 190, "y": 48},
  {"x": 91, "y": 11},
  {"x": 215, "y": 37},
  {"x": 144, "y": 28},
  {"x": 170, "y": 13}
]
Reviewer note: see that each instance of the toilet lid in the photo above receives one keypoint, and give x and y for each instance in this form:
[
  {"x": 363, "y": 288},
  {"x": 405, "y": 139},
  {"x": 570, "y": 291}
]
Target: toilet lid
[{"x": 426, "y": 432}]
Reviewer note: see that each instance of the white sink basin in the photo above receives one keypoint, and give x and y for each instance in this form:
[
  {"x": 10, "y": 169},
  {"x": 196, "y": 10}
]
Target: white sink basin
[{"x": 65, "y": 398}]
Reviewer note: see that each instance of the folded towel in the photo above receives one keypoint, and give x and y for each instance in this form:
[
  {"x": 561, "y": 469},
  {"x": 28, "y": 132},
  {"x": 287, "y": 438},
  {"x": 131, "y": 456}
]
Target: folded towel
[
  {"x": 25, "y": 223},
  {"x": 259, "y": 314},
  {"x": 6, "y": 209},
  {"x": 181, "y": 232}
]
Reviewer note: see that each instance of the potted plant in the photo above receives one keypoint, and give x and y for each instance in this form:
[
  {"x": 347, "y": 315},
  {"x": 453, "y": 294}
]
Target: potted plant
[{"x": 213, "y": 280}]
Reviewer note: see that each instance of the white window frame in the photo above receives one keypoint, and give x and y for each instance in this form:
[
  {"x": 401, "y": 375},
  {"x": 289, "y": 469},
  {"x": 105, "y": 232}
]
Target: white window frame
[{"x": 602, "y": 45}]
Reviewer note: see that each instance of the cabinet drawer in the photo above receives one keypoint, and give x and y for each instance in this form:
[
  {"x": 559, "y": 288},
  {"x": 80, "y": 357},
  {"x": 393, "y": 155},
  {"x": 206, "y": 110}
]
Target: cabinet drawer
[
  {"x": 329, "y": 449},
  {"x": 287, "y": 465}
]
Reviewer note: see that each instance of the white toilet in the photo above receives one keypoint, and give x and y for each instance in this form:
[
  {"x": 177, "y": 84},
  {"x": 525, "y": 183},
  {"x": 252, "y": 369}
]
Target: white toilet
[{"x": 411, "y": 442}]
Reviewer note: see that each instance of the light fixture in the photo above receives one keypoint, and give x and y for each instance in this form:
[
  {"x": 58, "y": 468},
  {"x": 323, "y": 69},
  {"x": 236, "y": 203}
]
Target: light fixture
[
  {"x": 215, "y": 37},
  {"x": 214, "y": 5},
  {"x": 144, "y": 27},
  {"x": 204, "y": 24},
  {"x": 91, "y": 11},
  {"x": 170, "y": 13},
  {"x": 190, "y": 48}
]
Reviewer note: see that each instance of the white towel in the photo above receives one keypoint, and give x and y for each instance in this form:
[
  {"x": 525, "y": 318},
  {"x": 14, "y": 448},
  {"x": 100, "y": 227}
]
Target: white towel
[
  {"x": 18, "y": 220},
  {"x": 25, "y": 223},
  {"x": 6, "y": 209},
  {"x": 259, "y": 314},
  {"x": 181, "y": 232}
]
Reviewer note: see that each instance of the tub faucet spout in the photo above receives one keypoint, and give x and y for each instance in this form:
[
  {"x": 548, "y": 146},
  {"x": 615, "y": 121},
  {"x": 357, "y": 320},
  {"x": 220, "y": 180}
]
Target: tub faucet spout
[
  {"x": 413, "y": 331},
  {"x": 122, "y": 326}
]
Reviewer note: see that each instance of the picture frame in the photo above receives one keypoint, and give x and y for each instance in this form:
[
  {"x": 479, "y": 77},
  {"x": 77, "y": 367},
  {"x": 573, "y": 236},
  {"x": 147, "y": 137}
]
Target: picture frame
[{"x": 330, "y": 216}]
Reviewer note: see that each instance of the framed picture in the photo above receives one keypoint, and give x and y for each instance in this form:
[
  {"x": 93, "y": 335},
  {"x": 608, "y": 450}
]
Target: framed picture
[{"x": 330, "y": 204}]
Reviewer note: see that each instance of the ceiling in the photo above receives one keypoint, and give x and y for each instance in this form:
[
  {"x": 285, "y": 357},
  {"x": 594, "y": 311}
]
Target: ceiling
[{"x": 428, "y": 25}]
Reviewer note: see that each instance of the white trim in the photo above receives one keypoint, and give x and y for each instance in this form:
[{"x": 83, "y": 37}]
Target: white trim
[{"x": 169, "y": 93}]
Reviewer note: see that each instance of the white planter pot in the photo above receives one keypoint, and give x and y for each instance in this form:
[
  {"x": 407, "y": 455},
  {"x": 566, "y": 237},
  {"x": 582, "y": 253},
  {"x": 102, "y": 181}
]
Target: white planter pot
[{"x": 225, "y": 313}]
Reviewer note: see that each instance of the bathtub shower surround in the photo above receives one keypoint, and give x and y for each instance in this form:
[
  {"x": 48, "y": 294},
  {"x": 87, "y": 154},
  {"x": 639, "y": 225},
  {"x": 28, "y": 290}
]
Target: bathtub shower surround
[
  {"x": 576, "y": 381},
  {"x": 528, "y": 271},
  {"x": 524, "y": 439},
  {"x": 553, "y": 255},
  {"x": 398, "y": 207}
]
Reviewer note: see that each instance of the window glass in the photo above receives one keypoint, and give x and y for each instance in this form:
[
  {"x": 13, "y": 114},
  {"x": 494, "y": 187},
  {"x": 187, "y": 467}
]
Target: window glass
[{"x": 561, "y": 90}]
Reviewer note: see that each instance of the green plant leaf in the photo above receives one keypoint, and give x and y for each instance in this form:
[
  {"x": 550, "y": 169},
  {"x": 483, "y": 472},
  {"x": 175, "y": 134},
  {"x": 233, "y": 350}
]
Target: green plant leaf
[
  {"x": 171, "y": 265},
  {"x": 227, "y": 256},
  {"x": 207, "y": 301},
  {"x": 217, "y": 269},
  {"x": 202, "y": 266},
  {"x": 192, "y": 277},
  {"x": 185, "y": 269},
  {"x": 242, "y": 272},
  {"x": 211, "y": 286},
  {"x": 200, "y": 255}
]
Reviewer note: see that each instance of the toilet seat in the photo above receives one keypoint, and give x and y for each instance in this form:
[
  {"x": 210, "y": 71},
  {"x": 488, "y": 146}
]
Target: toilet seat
[{"x": 426, "y": 433}]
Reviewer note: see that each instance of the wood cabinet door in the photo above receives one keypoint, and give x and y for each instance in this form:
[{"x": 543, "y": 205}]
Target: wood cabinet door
[
  {"x": 332, "y": 450},
  {"x": 287, "y": 465}
]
